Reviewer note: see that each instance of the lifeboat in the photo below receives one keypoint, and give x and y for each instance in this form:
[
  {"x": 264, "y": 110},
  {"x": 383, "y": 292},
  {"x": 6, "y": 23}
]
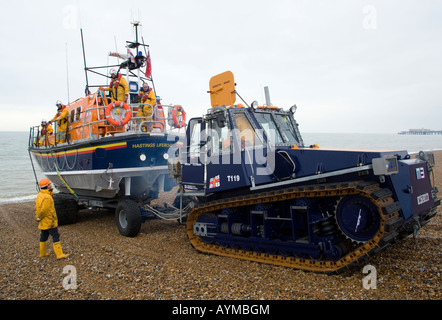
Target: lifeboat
[{"x": 110, "y": 157}]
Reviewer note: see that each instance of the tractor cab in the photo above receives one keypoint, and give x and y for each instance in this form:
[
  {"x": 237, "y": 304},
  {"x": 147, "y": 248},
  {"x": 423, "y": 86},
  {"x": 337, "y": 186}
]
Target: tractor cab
[{"x": 233, "y": 146}]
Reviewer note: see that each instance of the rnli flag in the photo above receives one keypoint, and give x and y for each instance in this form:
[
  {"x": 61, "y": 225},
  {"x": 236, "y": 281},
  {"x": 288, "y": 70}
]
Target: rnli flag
[
  {"x": 148, "y": 72},
  {"x": 214, "y": 182}
]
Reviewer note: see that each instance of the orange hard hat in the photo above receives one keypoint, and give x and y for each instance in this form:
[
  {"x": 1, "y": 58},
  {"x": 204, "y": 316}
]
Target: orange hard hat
[{"x": 44, "y": 183}]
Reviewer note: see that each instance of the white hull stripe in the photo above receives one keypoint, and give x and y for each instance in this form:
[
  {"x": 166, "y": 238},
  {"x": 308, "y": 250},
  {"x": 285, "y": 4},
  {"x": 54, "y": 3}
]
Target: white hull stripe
[{"x": 101, "y": 171}]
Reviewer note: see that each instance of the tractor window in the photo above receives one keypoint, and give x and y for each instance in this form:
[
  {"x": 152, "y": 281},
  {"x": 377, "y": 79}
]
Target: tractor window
[
  {"x": 246, "y": 131},
  {"x": 286, "y": 128},
  {"x": 269, "y": 127},
  {"x": 195, "y": 139},
  {"x": 220, "y": 137}
]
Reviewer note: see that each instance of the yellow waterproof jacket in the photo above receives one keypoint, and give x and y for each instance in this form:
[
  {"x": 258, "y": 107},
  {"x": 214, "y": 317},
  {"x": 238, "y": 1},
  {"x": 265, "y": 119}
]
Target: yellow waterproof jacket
[
  {"x": 147, "y": 100},
  {"x": 46, "y": 130},
  {"x": 148, "y": 97},
  {"x": 45, "y": 210},
  {"x": 45, "y": 135},
  {"x": 118, "y": 89},
  {"x": 62, "y": 119}
]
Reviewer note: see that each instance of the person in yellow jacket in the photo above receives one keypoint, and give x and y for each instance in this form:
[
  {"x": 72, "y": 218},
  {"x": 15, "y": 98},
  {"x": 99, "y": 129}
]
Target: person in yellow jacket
[
  {"x": 47, "y": 219},
  {"x": 61, "y": 117},
  {"x": 118, "y": 87},
  {"x": 147, "y": 102},
  {"x": 46, "y": 131}
]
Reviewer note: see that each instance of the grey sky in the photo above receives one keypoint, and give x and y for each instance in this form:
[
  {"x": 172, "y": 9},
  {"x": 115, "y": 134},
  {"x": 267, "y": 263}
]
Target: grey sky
[{"x": 350, "y": 66}]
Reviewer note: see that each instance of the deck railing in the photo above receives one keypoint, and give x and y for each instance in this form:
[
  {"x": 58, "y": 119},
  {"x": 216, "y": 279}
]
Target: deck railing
[{"x": 91, "y": 124}]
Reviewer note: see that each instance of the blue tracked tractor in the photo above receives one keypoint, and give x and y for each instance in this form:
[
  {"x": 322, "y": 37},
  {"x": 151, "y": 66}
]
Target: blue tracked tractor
[{"x": 262, "y": 195}]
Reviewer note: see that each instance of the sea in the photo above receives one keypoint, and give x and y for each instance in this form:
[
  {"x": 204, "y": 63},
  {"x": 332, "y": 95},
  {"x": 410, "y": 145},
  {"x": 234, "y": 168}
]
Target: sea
[{"x": 18, "y": 178}]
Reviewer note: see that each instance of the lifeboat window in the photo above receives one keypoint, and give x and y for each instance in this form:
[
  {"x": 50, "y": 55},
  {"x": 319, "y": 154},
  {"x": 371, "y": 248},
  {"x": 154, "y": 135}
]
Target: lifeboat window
[
  {"x": 77, "y": 118},
  {"x": 72, "y": 116}
]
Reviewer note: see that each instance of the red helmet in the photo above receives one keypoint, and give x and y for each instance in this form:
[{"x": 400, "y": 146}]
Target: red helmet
[{"x": 43, "y": 183}]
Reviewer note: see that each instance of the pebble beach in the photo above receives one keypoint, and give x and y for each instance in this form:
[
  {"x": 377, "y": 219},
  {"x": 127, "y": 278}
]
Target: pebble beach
[{"x": 160, "y": 264}]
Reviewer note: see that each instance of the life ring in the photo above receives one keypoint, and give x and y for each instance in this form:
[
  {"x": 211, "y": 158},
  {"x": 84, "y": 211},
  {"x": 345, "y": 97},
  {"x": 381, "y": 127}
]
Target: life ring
[
  {"x": 116, "y": 104},
  {"x": 179, "y": 109}
]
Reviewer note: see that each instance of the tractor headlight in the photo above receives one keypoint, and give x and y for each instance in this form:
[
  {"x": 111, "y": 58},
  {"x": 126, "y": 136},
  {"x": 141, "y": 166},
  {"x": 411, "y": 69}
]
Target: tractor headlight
[{"x": 385, "y": 166}]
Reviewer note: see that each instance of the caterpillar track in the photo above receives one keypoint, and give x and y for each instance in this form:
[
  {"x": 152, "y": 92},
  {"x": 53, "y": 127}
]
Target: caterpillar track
[{"x": 387, "y": 209}]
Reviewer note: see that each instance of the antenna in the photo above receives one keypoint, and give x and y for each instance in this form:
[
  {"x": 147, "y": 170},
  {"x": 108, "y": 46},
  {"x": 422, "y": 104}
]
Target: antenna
[
  {"x": 135, "y": 44},
  {"x": 115, "y": 40},
  {"x": 67, "y": 71},
  {"x": 87, "y": 92}
]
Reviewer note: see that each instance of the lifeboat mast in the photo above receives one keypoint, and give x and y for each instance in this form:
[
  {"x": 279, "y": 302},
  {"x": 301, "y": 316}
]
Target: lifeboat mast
[{"x": 131, "y": 63}]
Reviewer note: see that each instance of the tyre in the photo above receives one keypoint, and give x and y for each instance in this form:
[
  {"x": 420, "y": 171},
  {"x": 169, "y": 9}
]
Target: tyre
[
  {"x": 66, "y": 208},
  {"x": 128, "y": 218}
]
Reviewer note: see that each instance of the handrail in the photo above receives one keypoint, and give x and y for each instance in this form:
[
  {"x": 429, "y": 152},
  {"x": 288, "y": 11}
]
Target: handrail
[{"x": 133, "y": 126}]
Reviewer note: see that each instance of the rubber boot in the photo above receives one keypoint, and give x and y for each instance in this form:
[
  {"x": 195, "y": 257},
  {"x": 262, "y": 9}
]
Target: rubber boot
[
  {"x": 43, "y": 250},
  {"x": 58, "y": 251}
]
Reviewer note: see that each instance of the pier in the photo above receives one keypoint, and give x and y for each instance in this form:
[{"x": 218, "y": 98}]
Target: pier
[{"x": 421, "y": 132}]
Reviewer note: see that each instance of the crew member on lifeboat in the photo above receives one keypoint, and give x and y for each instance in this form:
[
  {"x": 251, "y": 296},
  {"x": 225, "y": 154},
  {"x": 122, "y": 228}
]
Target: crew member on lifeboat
[
  {"x": 147, "y": 101},
  {"x": 45, "y": 131},
  {"x": 118, "y": 87},
  {"x": 62, "y": 122}
]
